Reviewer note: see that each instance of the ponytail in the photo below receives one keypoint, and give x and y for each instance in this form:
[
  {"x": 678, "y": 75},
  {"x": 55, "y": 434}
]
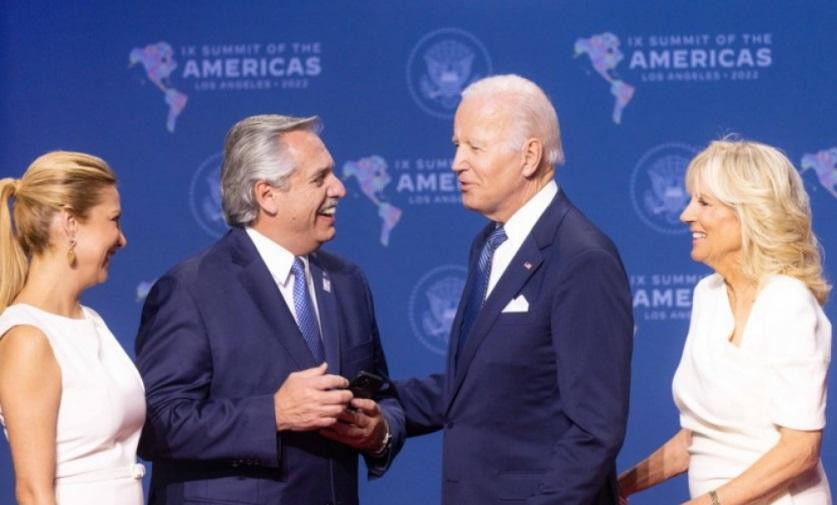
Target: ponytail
[{"x": 13, "y": 262}]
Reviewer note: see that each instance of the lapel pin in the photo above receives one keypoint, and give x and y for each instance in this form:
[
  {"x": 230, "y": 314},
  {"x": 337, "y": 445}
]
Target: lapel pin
[
  {"x": 527, "y": 265},
  {"x": 326, "y": 285}
]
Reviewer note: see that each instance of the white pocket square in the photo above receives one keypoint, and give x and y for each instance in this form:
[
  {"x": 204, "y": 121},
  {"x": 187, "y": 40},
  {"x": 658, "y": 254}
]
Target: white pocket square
[{"x": 518, "y": 304}]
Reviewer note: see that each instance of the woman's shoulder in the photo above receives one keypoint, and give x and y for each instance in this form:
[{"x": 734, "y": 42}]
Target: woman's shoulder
[
  {"x": 24, "y": 343},
  {"x": 16, "y": 315},
  {"x": 785, "y": 289}
]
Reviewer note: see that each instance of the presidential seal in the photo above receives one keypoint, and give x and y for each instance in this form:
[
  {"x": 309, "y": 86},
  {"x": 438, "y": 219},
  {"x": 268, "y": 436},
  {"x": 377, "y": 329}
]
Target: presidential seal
[
  {"x": 441, "y": 65},
  {"x": 205, "y": 196},
  {"x": 433, "y": 303},
  {"x": 658, "y": 188}
]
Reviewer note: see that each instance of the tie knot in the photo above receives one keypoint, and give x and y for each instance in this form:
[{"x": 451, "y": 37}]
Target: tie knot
[
  {"x": 298, "y": 268},
  {"x": 496, "y": 238}
]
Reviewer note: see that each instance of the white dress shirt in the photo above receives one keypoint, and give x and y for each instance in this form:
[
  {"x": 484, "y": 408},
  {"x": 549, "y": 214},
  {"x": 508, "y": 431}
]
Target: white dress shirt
[
  {"x": 279, "y": 262},
  {"x": 517, "y": 229}
]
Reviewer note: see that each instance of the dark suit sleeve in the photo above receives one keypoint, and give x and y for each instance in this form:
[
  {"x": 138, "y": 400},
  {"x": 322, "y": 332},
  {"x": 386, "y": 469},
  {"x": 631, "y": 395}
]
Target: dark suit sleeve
[
  {"x": 184, "y": 421},
  {"x": 423, "y": 403},
  {"x": 386, "y": 398},
  {"x": 592, "y": 333}
]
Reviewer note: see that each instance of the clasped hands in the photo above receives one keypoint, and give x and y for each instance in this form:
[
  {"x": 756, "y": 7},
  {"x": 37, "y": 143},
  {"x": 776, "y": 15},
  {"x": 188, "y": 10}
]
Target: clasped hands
[{"x": 311, "y": 400}]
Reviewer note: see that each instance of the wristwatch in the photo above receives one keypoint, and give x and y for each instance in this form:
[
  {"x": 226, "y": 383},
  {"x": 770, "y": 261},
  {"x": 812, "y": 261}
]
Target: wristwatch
[{"x": 384, "y": 443}]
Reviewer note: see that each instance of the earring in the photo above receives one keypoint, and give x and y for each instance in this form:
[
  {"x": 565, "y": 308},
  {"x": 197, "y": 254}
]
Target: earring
[{"x": 71, "y": 253}]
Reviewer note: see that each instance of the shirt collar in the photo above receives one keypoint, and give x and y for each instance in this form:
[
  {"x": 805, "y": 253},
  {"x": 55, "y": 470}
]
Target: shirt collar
[
  {"x": 278, "y": 259},
  {"x": 521, "y": 223}
]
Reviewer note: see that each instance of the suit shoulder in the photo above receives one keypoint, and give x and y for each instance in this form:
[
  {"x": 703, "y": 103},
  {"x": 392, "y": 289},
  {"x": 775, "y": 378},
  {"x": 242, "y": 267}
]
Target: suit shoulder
[
  {"x": 336, "y": 264},
  {"x": 197, "y": 266},
  {"x": 578, "y": 235}
]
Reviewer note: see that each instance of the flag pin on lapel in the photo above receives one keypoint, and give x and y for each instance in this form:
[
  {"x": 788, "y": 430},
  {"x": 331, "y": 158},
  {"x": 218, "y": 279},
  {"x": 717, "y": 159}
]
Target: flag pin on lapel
[
  {"x": 326, "y": 285},
  {"x": 527, "y": 265}
]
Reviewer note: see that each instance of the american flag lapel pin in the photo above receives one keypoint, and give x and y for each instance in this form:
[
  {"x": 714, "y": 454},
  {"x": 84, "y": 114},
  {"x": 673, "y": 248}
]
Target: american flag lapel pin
[
  {"x": 527, "y": 265},
  {"x": 326, "y": 284}
]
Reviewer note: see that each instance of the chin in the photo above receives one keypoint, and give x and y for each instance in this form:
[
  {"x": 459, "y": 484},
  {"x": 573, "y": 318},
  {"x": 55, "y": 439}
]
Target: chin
[{"x": 469, "y": 204}]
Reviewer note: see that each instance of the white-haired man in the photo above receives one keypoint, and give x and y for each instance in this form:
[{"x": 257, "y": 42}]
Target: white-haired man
[{"x": 534, "y": 401}]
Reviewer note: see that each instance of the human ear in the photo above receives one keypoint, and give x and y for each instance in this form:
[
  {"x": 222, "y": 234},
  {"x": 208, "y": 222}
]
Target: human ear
[
  {"x": 532, "y": 156},
  {"x": 265, "y": 197},
  {"x": 69, "y": 223}
]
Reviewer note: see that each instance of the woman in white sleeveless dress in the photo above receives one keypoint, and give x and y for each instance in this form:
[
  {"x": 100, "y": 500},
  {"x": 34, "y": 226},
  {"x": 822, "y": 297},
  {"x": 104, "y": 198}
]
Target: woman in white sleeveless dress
[
  {"x": 751, "y": 384},
  {"x": 71, "y": 402}
]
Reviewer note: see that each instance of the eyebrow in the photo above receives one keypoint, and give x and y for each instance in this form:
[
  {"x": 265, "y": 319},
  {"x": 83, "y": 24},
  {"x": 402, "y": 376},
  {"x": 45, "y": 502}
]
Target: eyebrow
[{"x": 322, "y": 172}]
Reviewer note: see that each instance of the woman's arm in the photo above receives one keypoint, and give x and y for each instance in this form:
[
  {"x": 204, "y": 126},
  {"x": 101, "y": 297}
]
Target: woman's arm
[
  {"x": 671, "y": 459},
  {"x": 30, "y": 392},
  {"x": 796, "y": 453}
]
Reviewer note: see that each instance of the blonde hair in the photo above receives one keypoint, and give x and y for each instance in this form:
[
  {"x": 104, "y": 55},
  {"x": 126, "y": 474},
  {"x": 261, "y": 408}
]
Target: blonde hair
[
  {"x": 767, "y": 194},
  {"x": 57, "y": 180}
]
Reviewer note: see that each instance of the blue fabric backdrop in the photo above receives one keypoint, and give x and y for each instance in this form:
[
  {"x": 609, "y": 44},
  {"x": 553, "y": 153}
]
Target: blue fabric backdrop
[{"x": 152, "y": 87}]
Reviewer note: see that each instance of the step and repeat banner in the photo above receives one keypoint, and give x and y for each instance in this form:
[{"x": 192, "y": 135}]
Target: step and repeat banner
[{"x": 640, "y": 87}]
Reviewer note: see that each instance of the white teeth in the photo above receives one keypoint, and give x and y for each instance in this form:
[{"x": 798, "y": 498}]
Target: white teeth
[
  {"x": 697, "y": 234},
  {"x": 329, "y": 212}
]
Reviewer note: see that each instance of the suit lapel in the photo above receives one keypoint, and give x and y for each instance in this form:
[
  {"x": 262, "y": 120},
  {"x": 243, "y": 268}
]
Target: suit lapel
[
  {"x": 525, "y": 263},
  {"x": 327, "y": 308},
  {"x": 259, "y": 284},
  {"x": 456, "y": 326}
]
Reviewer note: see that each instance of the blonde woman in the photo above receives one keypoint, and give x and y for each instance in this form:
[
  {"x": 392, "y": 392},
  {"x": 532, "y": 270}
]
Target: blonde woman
[
  {"x": 750, "y": 386},
  {"x": 71, "y": 400}
]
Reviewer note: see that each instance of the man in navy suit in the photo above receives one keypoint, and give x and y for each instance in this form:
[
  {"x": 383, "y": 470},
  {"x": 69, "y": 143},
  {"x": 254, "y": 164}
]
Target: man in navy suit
[
  {"x": 243, "y": 348},
  {"x": 535, "y": 398}
]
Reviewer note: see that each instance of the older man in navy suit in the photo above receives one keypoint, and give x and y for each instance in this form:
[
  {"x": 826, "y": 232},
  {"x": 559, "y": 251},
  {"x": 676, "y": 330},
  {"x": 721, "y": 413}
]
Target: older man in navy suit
[
  {"x": 244, "y": 348},
  {"x": 535, "y": 398}
]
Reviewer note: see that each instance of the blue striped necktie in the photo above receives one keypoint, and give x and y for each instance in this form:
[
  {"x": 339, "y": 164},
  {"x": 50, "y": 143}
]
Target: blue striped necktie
[
  {"x": 305, "y": 316},
  {"x": 476, "y": 297}
]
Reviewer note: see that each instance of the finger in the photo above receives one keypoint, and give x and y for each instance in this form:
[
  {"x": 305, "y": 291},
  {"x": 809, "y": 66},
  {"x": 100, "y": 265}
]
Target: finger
[
  {"x": 369, "y": 407},
  {"x": 333, "y": 397},
  {"x": 332, "y": 411},
  {"x": 313, "y": 372},
  {"x": 324, "y": 422},
  {"x": 331, "y": 382},
  {"x": 346, "y": 416}
]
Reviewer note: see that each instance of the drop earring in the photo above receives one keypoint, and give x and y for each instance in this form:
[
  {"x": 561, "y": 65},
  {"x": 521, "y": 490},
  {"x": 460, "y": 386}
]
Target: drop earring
[{"x": 71, "y": 253}]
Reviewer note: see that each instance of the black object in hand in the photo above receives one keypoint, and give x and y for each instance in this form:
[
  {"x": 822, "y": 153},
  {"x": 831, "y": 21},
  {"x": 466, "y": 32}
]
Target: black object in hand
[{"x": 365, "y": 384}]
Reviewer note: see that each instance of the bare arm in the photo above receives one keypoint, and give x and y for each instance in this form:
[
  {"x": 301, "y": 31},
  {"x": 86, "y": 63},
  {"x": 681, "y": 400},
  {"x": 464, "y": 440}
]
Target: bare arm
[
  {"x": 671, "y": 459},
  {"x": 30, "y": 392},
  {"x": 795, "y": 453}
]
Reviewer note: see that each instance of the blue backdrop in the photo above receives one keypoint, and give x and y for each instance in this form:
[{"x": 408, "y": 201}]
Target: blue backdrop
[{"x": 639, "y": 87}]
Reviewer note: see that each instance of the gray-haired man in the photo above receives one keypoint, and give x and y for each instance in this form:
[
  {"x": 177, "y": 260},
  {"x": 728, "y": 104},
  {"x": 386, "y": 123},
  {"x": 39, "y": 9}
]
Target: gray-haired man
[{"x": 244, "y": 348}]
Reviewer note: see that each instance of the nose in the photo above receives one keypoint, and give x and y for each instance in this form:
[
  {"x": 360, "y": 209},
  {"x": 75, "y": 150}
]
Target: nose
[
  {"x": 687, "y": 216},
  {"x": 336, "y": 189},
  {"x": 458, "y": 164},
  {"x": 122, "y": 240}
]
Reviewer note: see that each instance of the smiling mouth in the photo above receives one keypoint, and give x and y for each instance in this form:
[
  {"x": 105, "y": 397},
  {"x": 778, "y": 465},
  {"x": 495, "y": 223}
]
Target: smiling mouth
[
  {"x": 697, "y": 234},
  {"x": 329, "y": 211}
]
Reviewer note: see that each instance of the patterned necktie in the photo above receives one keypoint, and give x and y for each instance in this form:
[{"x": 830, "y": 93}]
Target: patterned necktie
[
  {"x": 305, "y": 315},
  {"x": 477, "y": 295}
]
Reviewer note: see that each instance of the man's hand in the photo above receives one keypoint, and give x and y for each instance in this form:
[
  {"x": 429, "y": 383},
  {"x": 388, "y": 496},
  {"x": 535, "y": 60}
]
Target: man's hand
[
  {"x": 363, "y": 427},
  {"x": 310, "y": 400}
]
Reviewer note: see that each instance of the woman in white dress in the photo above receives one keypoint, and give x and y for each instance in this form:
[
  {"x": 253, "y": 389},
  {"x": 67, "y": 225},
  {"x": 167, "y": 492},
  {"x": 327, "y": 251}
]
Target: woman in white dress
[
  {"x": 71, "y": 402},
  {"x": 751, "y": 384}
]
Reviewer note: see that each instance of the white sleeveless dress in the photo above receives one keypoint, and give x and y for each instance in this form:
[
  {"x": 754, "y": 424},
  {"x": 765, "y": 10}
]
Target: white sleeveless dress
[
  {"x": 734, "y": 399},
  {"x": 102, "y": 408}
]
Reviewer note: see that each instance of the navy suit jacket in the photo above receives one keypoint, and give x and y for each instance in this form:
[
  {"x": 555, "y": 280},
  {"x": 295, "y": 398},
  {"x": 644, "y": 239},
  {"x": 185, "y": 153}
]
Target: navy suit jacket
[
  {"x": 535, "y": 407},
  {"x": 215, "y": 343}
]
